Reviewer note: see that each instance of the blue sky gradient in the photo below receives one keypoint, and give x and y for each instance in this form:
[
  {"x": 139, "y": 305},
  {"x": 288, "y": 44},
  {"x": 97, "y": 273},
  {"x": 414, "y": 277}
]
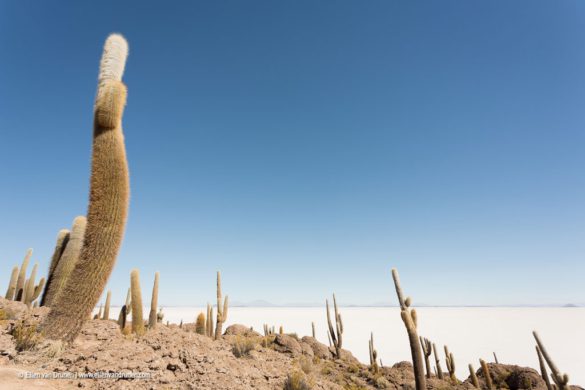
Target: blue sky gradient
[{"x": 307, "y": 147}]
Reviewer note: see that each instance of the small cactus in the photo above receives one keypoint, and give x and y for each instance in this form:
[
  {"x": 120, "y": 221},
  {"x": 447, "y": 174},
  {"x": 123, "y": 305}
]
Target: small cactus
[
  {"x": 200, "y": 324},
  {"x": 106, "y": 315},
  {"x": 486, "y": 373},
  {"x": 409, "y": 318},
  {"x": 100, "y": 313},
  {"x": 209, "y": 325},
  {"x": 160, "y": 316},
  {"x": 474, "y": 379},
  {"x": 496, "y": 358},
  {"x": 12, "y": 284},
  {"x": 62, "y": 240},
  {"x": 373, "y": 354},
  {"x": 30, "y": 287},
  {"x": 450, "y": 362},
  {"x": 137, "y": 319},
  {"x": 67, "y": 261},
  {"x": 22, "y": 276},
  {"x": 335, "y": 334},
  {"x": 561, "y": 380},
  {"x": 437, "y": 362},
  {"x": 37, "y": 290},
  {"x": 427, "y": 350},
  {"x": 313, "y": 329},
  {"x": 222, "y": 310},
  {"x": 543, "y": 370},
  {"x": 152, "y": 317},
  {"x": 124, "y": 311}
]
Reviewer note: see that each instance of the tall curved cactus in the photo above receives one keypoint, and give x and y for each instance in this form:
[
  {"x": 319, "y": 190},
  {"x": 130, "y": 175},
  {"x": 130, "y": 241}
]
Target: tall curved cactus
[
  {"x": 108, "y": 201},
  {"x": 410, "y": 321}
]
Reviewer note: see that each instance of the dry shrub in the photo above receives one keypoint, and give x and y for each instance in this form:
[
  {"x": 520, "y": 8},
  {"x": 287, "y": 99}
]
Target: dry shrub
[
  {"x": 242, "y": 346},
  {"x": 297, "y": 381},
  {"x": 306, "y": 364},
  {"x": 25, "y": 335}
]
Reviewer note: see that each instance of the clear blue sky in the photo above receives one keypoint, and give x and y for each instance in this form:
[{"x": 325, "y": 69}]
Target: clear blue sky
[{"x": 306, "y": 147}]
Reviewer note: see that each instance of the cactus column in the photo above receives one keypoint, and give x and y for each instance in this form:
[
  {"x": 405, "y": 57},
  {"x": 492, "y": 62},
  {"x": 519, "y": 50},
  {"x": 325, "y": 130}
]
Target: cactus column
[
  {"x": 409, "y": 318},
  {"x": 108, "y": 201}
]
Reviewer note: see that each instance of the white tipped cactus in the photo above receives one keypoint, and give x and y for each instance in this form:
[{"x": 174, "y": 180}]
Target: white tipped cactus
[{"x": 114, "y": 58}]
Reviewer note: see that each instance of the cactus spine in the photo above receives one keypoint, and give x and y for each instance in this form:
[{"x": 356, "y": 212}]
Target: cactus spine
[
  {"x": 108, "y": 201},
  {"x": 543, "y": 371},
  {"x": 561, "y": 380},
  {"x": 22, "y": 276},
  {"x": 486, "y": 373},
  {"x": 427, "y": 350},
  {"x": 106, "y": 315},
  {"x": 62, "y": 240},
  {"x": 373, "y": 354},
  {"x": 67, "y": 261},
  {"x": 12, "y": 284},
  {"x": 410, "y": 321},
  {"x": 200, "y": 324},
  {"x": 474, "y": 379},
  {"x": 221, "y": 311},
  {"x": 137, "y": 319},
  {"x": 336, "y": 333},
  {"x": 152, "y": 317}
]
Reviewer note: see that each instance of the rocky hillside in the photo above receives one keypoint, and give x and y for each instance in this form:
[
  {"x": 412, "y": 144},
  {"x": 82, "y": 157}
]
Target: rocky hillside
[{"x": 173, "y": 357}]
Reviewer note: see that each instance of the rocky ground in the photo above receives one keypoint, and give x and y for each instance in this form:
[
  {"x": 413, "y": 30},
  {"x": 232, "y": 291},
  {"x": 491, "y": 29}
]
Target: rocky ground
[{"x": 170, "y": 357}]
